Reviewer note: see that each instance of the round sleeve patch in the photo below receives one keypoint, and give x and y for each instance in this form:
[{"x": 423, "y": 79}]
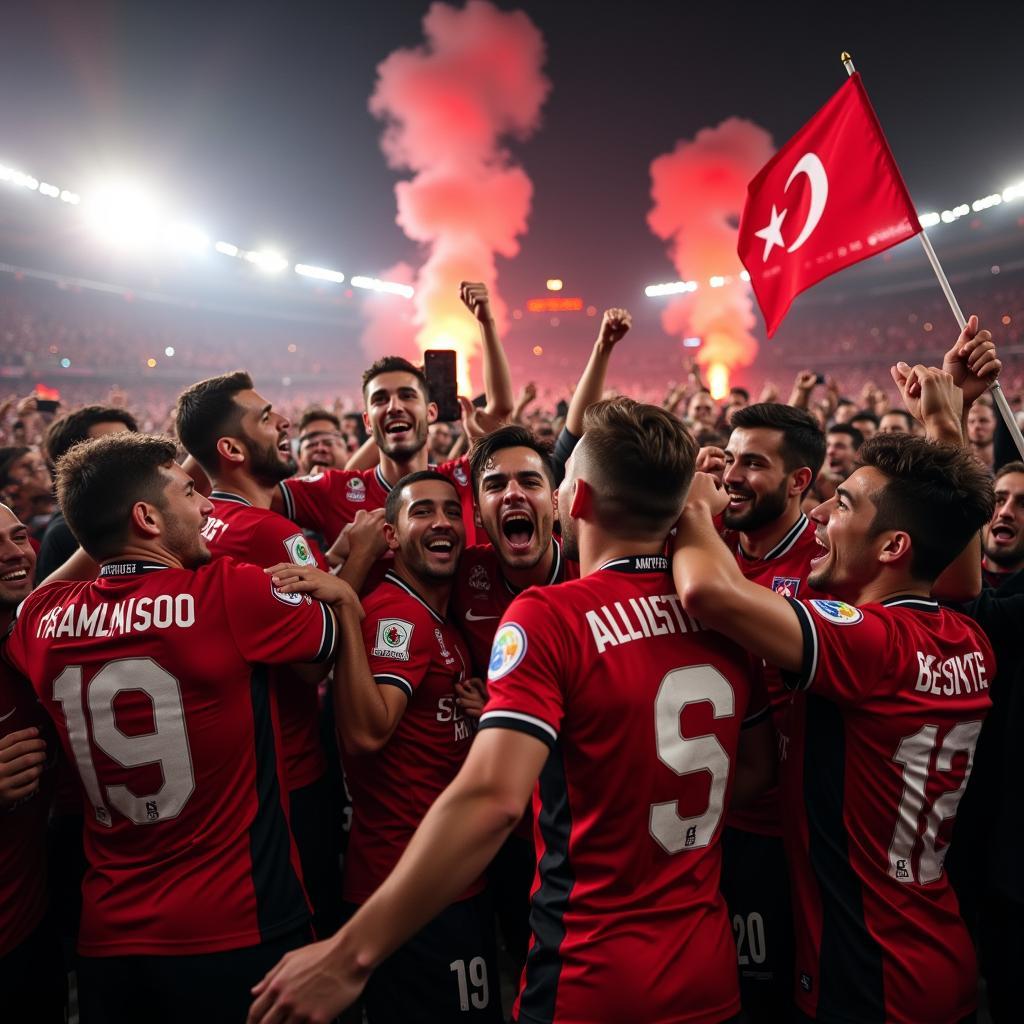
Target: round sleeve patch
[
  {"x": 507, "y": 651},
  {"x": 839, "y": 612}
]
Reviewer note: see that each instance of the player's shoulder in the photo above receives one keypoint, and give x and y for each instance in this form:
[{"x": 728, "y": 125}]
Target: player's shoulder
[
  {"x": 394, "y": 596},
  {"x": 456, "y": 470}
]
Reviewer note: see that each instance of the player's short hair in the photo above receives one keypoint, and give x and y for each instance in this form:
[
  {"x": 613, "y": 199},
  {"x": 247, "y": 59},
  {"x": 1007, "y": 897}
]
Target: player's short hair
[
  {"x": 511, "y": 436},
  {"x": 207, "y": 411},
  {"x": 803, "y": 441},
  {"x": 855, "y": 436},
  {"x": 938, "y": 493},
  {"x": 865, "y": 414},
  {"x": 315, "y": 413},
  {"x": 743, "y": 392},
  {"x": 639, "y": 461},
  {"x": 1009, "y": 467},
  {"x": 64, "y": 433},
  {"x": 99, "y": 480},
  {"x": 9, "y": 455},
  {"x": 396, "y": 364},
  {"x": 393, "y": 505},
  {"x": 907, "y": 418}
]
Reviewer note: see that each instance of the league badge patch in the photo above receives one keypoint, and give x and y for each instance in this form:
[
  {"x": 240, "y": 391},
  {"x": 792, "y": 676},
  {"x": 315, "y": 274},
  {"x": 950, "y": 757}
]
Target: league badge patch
[
  {"x": 298, "y": 550},
  {"x": 393, "y": 636},
  {"x": 839, "y": 612},
  {"x": 507, "y": 651}
]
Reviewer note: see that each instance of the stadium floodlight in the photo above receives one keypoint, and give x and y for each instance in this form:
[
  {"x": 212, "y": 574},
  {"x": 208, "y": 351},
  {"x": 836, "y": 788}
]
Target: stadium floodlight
[
  {"x": 986, "y": 202},
  {"x": 929, "y": 220},
  {"x": 267, "y": 259},
  {"x": 46, "y": 189},
  {"x": 123, "y": 213},
  {"x": 70, "y": 197},
  {"x": 1012, "y": 192},
  {"x": 226, "y": 248},
  {"x": 319, "y": 273},
  {"x": 388, "y": 287},
  {"x": 187, "y": 237},
  {"x": 717, "y": 281},
  {"x": 652, "y": 291}
]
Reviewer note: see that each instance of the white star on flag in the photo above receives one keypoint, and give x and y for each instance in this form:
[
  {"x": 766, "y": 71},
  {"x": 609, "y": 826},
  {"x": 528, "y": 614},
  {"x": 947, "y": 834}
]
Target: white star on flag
[{"x": 772, "y": 233}]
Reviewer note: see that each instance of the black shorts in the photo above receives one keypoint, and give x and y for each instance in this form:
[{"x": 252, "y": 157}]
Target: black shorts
[
  {"x": 445, "y": 974},
  {"x": 318, "y": 831},
  {"x": 206, "y": 988},
  {"x": 755, "y": 884},
  {"x": 33, "y": 982}
]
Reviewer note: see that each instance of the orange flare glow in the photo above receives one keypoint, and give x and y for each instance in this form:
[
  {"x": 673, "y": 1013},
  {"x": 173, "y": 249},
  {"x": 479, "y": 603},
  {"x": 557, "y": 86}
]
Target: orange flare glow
[{"x": 718, "y": 380}]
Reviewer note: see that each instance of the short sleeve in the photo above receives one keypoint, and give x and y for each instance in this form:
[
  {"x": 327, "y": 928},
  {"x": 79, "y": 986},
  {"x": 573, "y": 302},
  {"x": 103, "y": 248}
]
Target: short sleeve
[
  {"x": 528, "y": 669},
  {"x": 278, "y": 540},
  {"x": 272, "y": 628},
  {"x": 844, "y": 650},
  {"x": 308, "y": 500},
  {"x": 398, "y": 648}
]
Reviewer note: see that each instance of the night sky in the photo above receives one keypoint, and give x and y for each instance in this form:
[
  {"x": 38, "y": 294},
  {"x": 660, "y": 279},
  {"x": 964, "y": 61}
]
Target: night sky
[{"x": 253, "y": 117}]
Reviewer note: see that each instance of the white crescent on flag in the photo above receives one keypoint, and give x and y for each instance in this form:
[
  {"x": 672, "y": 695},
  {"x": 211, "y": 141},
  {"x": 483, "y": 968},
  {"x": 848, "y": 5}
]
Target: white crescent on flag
[{"x": 810, "y": 165}]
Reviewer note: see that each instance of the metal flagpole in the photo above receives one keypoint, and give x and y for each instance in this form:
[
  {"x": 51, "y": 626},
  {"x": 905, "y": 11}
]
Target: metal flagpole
[{"x": 997, "y": 392}]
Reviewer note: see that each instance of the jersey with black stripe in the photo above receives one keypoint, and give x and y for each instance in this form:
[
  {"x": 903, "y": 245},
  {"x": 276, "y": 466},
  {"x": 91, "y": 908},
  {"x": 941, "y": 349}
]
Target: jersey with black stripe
[
  {"x": 156, "y": 679},
  {"x": 642, "y": 710},
  {"x": 238, "y": 528},
  {"x": 411, "y": 647},
  {"x": 877, "y": 751},
  {"x": 784, "y": 569}
]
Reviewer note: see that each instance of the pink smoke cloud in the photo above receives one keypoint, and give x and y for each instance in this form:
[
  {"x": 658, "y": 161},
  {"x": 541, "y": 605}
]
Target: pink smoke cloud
[
  {"x": 389, "y": 329},
  {"x": 447, "y": 105},
  {"x": 698, "y": 191}
]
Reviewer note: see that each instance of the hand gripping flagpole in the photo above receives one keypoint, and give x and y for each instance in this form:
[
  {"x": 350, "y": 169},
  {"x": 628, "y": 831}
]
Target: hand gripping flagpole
[{"x": 997, "y": 392}]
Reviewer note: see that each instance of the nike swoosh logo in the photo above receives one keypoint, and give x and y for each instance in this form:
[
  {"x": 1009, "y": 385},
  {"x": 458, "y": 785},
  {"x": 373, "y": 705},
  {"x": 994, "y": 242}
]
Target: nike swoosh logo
[
  {"x": 3, "y": 718},
  {"x": 470, "y": 617}
]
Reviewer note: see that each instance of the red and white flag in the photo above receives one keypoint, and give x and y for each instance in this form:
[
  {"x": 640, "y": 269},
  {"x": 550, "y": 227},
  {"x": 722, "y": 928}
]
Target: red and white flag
[{"x": 830, "y": 197}]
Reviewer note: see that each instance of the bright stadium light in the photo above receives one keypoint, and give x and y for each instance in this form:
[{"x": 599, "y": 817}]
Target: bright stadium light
[
  {"x": 319, "y": 273},
  {"x": 46, "y": 189},
  {"x": 267, "y": 259},
  {"x": 929, "y": 220},
  {"x": 652, "y": 291},
  {"x": 717, "y": 281},
  {"x": 187, "y": 237},
  {"x": 389, "y": 287},
  {"x": 1013, "y": 192},
  {"x": 123, "y": 213},
  {"x": 226, "y": 248}
]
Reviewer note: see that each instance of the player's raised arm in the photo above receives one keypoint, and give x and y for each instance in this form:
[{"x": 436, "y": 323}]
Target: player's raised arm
[
  {"x": 497, "y": 375},
  {"x": 455, "y": 842},
  {"x": 713, "y": 589}
]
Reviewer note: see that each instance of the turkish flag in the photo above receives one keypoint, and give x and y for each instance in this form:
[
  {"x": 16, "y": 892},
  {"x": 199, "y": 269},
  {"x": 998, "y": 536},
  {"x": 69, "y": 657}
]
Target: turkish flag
[{"x": 832, "y": 196}]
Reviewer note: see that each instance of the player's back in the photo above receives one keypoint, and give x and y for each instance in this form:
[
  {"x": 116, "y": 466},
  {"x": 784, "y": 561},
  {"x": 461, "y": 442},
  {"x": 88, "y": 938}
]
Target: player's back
[
  {"x": 643, "y": 710},
  {"x": 154, "y": 677}
]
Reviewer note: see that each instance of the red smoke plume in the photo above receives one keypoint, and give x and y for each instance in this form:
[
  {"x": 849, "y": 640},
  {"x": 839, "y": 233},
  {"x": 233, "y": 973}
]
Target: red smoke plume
[
  {"x": 698, "y": 191},
  {"x": 447, "y": 105}
]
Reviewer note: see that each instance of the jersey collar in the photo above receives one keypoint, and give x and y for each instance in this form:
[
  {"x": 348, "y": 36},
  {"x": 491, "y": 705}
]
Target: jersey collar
[
  {"x": 787, "y": 542},
  {"x": 637, "y": 564},
  {"x": 130, "y": 568},
  {"x": 228, "y": 496},
  {"x": 920, "y": 604},
  {"x": 554, "y": 576},
  {"x": 392, "y": 577},
  {"x": 380, "y": 479}
]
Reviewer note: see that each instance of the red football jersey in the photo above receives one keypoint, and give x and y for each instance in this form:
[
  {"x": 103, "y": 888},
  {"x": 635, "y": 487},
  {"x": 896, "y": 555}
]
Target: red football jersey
[
  {"x": 784, "y": 569},
  {"x": 482, "y": 593},
  {"x": 410, "y": 646},
  {"x": 329, "y": 501},
  {"x": 23, "y": 825},
  {"x": 642, "y": 709},
  {"x": 258, "y": 535},
  {"x": 880, "y": 751},
  {"x": 156, "y": 679}
]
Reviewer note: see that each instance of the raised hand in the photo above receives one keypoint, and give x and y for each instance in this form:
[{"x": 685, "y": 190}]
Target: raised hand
[
  {"x": 972, "y": 361},
  {"x": 476, "y": 299},
  {"x": 615, "y": 325}
]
